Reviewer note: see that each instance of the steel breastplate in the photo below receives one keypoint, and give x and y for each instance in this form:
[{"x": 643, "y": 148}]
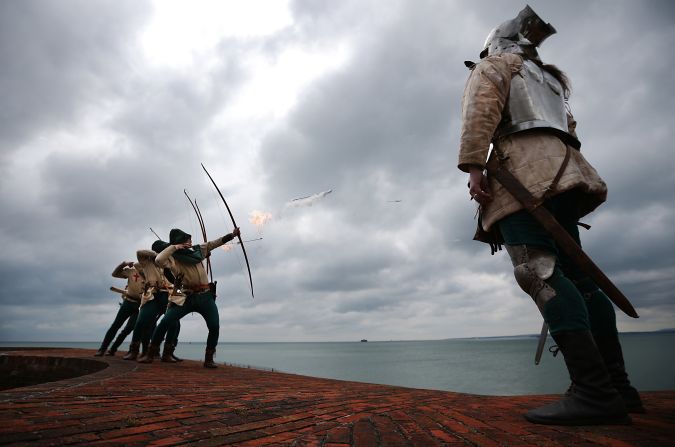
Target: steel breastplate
[{"x": 535, "y": 101}]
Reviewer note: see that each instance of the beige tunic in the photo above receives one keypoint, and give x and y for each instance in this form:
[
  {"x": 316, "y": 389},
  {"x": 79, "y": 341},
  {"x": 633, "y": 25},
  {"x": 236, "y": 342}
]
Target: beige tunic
[
  {"x": 193, "y": 276},
  {"x": 154, "y": 277},
  {"x": 534, "y": 157},
  {"x": 135, "y": 281}
]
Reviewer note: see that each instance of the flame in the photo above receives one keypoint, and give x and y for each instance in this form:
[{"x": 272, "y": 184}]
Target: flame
[
  {"x": 259, "y": 219},
  {"x": 227, "y": 247}
]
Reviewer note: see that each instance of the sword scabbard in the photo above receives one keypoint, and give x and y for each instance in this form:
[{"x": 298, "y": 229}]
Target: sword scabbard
[
  {"x": 542, "y": 342},
  {"x": 562, "y": 238}
]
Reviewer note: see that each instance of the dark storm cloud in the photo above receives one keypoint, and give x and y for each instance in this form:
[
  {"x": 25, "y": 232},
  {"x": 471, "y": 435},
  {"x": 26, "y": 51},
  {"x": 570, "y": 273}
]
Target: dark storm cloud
[
  {"x": 63, "y": 55},
  {"x": 382, "y": 126},
  {"x": 349, "y": 124},
  {"x": 371, "y": 304},
  {"x": 166, "y": 112},
  {"x": 84, "y": 201}
]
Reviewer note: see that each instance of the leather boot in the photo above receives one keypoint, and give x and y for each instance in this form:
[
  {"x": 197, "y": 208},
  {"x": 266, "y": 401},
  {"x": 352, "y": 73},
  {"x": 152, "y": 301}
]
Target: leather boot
[
  {"x": 208, "y": 358},
  {"x": 133, "y": 351},
  {"x": 177, "y": 359},
  {"x": 610, "y": 349},
  {"x": 153, "y": 351},
  {"x": 167, "y": 354},
  {"x": 592, "y": 400}
]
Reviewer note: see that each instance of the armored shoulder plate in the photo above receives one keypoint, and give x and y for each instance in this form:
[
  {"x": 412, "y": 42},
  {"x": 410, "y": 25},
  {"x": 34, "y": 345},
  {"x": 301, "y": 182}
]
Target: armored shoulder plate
[{"x": 536, "y": 101}]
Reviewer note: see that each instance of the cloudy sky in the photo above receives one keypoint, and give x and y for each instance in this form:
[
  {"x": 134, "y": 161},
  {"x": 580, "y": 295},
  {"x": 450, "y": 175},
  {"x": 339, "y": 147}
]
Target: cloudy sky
[{"x": 109, "y": 107}]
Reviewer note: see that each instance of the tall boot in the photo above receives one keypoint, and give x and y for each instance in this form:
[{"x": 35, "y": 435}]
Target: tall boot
[
  {"x": 167, "y": 354},
  {"x": 610, "y": 349},
  {"x": 133, "y": 351},
  {"x": 208, "y": 358},
  {"x": 153, "y": 351},
  {"x": 116, "y": 344},
  {"x": 592, "y": 400}
]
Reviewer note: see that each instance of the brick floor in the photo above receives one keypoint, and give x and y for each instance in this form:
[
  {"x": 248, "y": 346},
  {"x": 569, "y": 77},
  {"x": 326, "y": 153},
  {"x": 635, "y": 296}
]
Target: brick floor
[{"x": 171, "y": 404}]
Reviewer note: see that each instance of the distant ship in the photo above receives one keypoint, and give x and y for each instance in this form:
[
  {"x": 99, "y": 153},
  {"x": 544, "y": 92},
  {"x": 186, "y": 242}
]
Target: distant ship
[{"x": 364, "y": 340}]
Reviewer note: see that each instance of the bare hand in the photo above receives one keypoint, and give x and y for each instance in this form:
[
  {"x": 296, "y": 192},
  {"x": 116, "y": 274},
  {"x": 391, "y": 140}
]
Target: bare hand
[
  {"x": 130, "y": 264},
  {"x": 183, "y": 245},
  {"x": 236, "y": 232},
  {"x": 479, "y": 189}
]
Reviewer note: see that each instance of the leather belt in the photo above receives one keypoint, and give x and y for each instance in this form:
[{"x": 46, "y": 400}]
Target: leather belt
[{"x": 199, "y": 288}]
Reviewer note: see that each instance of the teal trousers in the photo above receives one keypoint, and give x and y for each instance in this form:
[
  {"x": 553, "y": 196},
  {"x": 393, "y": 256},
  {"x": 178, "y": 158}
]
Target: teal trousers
[
  {"x": 579, "y": 304},
  {"x": 147, "y": 318},
  {"x": 128, "y": 310},
  {"x": 204, "y": 304}
]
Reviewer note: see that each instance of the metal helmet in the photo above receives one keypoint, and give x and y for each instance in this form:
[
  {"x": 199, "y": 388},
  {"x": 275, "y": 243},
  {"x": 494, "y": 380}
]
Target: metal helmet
[{"x": 521, "y": 35}]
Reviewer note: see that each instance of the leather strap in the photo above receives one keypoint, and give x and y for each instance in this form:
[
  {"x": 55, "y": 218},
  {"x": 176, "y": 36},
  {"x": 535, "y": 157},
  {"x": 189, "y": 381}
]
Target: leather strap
[{"x": 562, "y": 238}]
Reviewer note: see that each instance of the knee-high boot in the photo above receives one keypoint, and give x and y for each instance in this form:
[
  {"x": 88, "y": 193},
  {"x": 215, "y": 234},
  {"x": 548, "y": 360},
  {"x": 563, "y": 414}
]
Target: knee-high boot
[
  {"x": 133, "y": 351},
  {"x": 592, "y": 400},
  {"x": 610, "y": 349},
  {"x": 208, "y": 358}
]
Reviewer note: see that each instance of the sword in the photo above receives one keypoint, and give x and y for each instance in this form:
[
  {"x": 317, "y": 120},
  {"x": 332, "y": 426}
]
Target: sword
[
  {"x": 542, "y": 342},
  {"x": 562, "y": 238}
]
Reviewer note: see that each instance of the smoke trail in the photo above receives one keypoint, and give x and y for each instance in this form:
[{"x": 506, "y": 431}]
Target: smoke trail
[{"x": 308, "y": 200}]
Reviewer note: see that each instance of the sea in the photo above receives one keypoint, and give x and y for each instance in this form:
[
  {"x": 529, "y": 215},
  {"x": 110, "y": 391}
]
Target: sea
[{"x": 487, "y": 366}]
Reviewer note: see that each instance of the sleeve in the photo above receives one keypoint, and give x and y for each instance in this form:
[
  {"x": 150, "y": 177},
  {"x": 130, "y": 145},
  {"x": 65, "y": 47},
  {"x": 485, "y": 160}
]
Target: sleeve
[
  {"x": 121, "y": 271},
  {"x": 483, "y": 101},
  {"x": 146, "y": 258},
  {"x": 163, "y": 259},
  {"x": 210, "y": 245}
]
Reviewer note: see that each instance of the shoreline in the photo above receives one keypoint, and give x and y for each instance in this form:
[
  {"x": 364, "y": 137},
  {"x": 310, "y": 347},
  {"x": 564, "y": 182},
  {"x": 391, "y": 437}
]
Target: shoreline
[
  {"x": 482, "y": 337},
  {"x": 503, "y": 367}
]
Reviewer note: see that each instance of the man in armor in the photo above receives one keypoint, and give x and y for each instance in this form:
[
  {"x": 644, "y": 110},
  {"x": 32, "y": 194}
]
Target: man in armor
[{"x": 518, "y": 104}]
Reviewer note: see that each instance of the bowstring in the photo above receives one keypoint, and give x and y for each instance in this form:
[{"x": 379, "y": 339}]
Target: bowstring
[
  {"x": 201, "y": 233},
  {"x": 225, "y": 217}
]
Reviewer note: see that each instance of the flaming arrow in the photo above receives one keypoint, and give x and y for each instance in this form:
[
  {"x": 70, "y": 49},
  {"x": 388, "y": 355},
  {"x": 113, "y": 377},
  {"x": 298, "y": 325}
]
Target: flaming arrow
[{"x": 241, "y": 242}]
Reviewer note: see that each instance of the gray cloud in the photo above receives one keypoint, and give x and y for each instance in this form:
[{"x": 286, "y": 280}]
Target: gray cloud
[
  {"x": 59, "y": 57},
  {"x": 97, "y": 146}
]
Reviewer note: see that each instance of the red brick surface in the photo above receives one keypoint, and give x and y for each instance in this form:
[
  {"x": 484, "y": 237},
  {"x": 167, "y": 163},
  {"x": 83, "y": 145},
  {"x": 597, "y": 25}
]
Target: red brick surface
[{"x": 171, "y": 404}]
